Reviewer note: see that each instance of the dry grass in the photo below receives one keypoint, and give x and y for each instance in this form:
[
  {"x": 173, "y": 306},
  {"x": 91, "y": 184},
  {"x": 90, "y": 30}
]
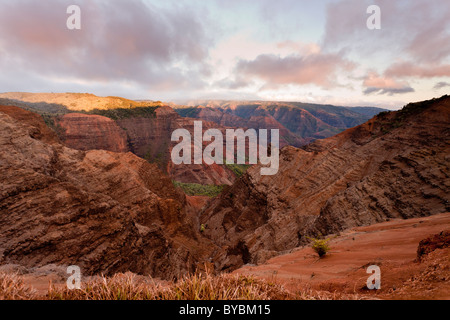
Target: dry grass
[
  {"x": 191, "y": 287},
  {"x": 128, "y": 286},
  {"x": 12, "y": 287},
  {"x": 307, "y": 293}
]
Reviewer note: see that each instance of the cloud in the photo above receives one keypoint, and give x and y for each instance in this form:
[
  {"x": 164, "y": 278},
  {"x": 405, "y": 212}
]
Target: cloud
[
  {"x": 300, "y": 47},
  {"x": 441, "y": 85},
  {"x": 317, "y": 68},
  {"x": 119, "y": 41},
  {"x": 383, "y": 85},
  {"x": 409, "y": 69},
  {"x": 388, "y": 91},
  {"x": 230, "y": 83},
  {"x": 416, "y": 29},
  {"x": 430, "y": 43}
]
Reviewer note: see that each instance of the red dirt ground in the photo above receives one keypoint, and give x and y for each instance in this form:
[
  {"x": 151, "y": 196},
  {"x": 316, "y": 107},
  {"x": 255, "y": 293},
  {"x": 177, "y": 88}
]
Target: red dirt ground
[
  {"x": 390, "y": 245},
  {"x": 342, "y": 273},
  {"x": 198, "y": 202}
]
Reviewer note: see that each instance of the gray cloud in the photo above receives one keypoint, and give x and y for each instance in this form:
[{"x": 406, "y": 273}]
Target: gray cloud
[
  {"x": 232, "y": 84},
  {"x": 414, "y": 29},
  {"x": 388, "y": 91},
  {"x": 119, "y": 41},
  {"x": 441, "y": 85}
]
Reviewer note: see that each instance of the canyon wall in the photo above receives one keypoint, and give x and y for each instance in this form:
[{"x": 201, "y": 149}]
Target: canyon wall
[
  {"x": 92, "y": 132},
  {"x": 147, "y": 137},
  {"x": 106, "y": 212},
  {"x": 396, "y": 165}
]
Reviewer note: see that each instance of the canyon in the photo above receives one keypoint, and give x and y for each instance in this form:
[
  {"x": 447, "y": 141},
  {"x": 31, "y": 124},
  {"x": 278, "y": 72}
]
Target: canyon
[{"x": 66, "y": 200}]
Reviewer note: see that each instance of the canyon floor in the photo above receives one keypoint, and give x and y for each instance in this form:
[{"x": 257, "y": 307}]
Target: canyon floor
[{"x": 390, "y": 245}]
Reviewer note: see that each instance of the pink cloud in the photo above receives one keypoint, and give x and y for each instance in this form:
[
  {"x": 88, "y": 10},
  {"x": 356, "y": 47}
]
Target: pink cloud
[
  {"x": 408, "y": 69},
  {"x": 375, "y": 83},
  {"x": 118, "y": 41},
  {"x": 319, "y": 69}
]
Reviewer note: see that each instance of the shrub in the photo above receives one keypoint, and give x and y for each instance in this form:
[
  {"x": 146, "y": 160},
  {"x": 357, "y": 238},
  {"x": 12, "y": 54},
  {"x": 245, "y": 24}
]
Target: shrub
[
  {"x": 320, "y": 246},
  {"x": 383, "y": 114}
]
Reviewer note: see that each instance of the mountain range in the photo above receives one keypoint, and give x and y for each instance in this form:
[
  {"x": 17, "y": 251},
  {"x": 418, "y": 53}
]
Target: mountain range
[
  {"x": 87, "y": 122},
  {"x": 299, "y": 123}
]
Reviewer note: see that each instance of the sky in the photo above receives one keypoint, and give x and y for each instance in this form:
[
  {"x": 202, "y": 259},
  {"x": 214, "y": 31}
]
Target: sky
[{"x": 285, "y": 50}]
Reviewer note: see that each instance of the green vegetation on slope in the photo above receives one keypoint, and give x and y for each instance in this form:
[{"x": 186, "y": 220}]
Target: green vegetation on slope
[
  {"x": 238, "y": 169},
  {"x": 188, "y": 112},
  {"x": 125, "y": 113},
  {"x": 194, "y": 189},
  {"x": 159, "y": 156}
]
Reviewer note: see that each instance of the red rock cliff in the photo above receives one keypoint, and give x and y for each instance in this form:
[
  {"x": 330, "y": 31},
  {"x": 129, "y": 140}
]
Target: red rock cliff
[
  {"x": 149, "y": 138},
  {"x": 103, "y": 211},
  {"x": 90, "y": 132}
]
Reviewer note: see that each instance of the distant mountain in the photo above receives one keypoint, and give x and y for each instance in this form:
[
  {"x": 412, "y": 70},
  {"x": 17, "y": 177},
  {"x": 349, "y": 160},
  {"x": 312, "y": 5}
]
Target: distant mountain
[
  {"x": 120, "y": 125},
  {"x": 368, "y": 111},
  {"x": 396, "y": 165},
  {"x": 299, "y": 123},
  {"x": 88, "y": 122},
  {"x": 69, "y": 102}
]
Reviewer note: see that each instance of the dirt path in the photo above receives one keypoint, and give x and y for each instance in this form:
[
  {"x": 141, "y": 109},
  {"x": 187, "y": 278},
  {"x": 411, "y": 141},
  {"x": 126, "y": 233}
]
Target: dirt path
[{"x": 390, "y": 245}]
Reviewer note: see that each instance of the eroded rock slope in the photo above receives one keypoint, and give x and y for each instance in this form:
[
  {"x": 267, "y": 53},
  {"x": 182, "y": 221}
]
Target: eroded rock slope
[
  {"x": 396, "y": 165},
  {"x": 104, "y": 211}
]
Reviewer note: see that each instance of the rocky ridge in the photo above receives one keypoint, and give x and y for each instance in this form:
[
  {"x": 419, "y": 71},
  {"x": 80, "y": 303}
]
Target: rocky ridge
[
  {"x": 103, "y": 211},
  {"x": 396, "y": 165}
]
